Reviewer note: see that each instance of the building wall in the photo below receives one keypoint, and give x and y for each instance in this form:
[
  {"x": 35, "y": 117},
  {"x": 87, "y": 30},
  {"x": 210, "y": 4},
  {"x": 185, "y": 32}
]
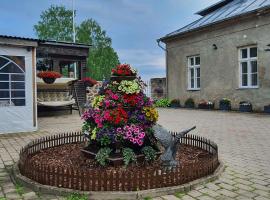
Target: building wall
[{"x": 220, "y": 68}]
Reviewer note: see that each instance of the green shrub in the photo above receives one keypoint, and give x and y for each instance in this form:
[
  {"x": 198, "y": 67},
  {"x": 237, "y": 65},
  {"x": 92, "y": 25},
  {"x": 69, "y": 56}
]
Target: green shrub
[
  {"x": 149, "y": 153},
  {"x": 103, "y": 155},
  {"x": 162, "y": 103},
  {"x": 128, "y": 156},
  {"x": 175, "y": 103},
  {"x": 189, "y": 103},
  {"x": 225, "y": 101}
]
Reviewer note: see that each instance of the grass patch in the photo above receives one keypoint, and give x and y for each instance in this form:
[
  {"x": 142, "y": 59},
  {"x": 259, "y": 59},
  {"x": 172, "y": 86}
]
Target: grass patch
[
  {"x": 19, "y": 189},
  {"x": 179, "y": 194},
  {"x": 3, "y": 198},
  {"x": 147, "y": 198},
  {"x": 77, "y": 196}
]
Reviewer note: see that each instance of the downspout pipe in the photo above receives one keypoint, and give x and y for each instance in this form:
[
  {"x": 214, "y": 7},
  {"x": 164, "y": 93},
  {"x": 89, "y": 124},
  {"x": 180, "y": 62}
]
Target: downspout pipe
[{"x": 166, "y": 57}]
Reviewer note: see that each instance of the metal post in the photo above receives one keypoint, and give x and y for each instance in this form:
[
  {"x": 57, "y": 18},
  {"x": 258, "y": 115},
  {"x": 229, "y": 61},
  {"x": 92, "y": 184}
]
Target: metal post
[{"x": 73, "y": 21}]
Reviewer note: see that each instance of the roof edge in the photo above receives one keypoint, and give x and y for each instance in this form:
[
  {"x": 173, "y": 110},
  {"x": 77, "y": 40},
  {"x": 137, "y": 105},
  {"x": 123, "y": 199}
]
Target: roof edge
[{"x": 213, "y": 7}]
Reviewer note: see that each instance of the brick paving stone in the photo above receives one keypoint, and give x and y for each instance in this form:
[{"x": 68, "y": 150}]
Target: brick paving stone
[
  {"x": 205, "y": 198},
  {"x": 209, "y": 192},
  {"x": 12, "y": 196},
  {"x": 170, "y": 197},
  {"x": 264, "y": 183},
  {"x": 261, "y": 198},
  {"x": 262, "y": 193},
  {"x": 157, "y": 198},
  {"x": 226, "y": 186},
  {"x": 227, "y": 193},
  {"x": 30, "y": 196},
  {"x": 260, "y": 187},
  {"x": 187, "y": 197},
  {"x": 212, "y": 186},
  {"x": 244, "y": 187},
  {"x": 246, "y": 193},
  {"x": 243, "y": 181},
  {"x": 194, "y": 193}
]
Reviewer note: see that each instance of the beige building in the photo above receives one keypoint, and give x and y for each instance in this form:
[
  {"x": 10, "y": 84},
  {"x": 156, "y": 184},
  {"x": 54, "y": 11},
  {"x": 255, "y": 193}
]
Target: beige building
[{"x": 224, "y": 54}]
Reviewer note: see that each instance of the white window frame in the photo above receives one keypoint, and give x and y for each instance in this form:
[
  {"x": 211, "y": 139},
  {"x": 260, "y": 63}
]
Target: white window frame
[
  {"x": 249, "y": 74},
  {"x": 9, "y": 81},
  {"x": 194, "y": 67}
]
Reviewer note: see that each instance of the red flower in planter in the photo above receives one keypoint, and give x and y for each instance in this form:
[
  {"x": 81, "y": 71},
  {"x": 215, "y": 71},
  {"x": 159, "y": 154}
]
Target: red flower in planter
[
  {"x": 49, "y": 74},
  {"x": 89, "y": 81},
  {"x": 123, "y": 70}
]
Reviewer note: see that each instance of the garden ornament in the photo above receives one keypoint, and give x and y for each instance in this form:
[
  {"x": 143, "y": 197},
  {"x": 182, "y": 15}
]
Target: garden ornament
[{"x": 170, "y": 143}]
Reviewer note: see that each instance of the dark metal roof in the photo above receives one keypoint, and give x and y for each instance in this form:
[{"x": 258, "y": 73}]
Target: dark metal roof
[
  {"x": 221, "y": 11},
  {"x": 49, "y": 42},
  {"x": 213, "y": 7}
]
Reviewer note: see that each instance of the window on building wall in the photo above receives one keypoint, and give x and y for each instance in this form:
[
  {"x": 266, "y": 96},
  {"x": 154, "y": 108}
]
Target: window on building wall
[
  {"x": 194, "y": 73},
  {"x": 12, "y": 81},
  {"x": 248, "y": 67}
]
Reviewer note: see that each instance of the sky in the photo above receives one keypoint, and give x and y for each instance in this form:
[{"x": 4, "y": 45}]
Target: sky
[{"x": 133, "y": 25}]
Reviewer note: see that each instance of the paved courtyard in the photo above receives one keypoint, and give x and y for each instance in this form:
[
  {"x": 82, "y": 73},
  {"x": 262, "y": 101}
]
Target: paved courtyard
[{"x": 244, "y": 147}]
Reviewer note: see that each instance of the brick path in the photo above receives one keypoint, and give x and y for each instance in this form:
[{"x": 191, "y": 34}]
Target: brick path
[{"x": 244, "y": 146}]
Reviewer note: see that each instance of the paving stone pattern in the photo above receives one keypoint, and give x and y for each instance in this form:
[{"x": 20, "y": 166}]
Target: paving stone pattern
[{"x": 243, "y": 140}]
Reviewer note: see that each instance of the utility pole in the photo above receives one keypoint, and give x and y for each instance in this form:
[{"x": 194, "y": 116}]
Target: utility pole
[{"x": 73, "y": 21}]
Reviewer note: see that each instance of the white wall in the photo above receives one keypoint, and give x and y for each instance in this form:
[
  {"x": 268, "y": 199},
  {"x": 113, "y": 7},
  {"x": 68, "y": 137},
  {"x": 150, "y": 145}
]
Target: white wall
[{"x": 19, "y": 118}]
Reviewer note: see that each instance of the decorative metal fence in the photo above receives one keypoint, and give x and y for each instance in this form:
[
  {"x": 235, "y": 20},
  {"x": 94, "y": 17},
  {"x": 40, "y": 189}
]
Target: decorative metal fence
[{"x": 102, "y": 180}]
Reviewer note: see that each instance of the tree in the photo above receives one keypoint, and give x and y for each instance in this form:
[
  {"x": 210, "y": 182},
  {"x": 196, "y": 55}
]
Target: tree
[
  {"x": 55, "y": 24},
  {"x": 102, "y": 57}
]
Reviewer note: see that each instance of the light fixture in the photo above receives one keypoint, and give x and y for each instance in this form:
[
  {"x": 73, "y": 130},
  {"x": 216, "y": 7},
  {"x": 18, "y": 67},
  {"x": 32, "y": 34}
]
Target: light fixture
[{"x": 215, "y": 47}]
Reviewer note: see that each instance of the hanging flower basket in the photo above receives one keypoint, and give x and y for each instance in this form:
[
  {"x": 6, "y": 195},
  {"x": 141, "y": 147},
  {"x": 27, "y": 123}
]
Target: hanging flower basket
[
  {"x": 49, "y": 76},
  {"x": 49, "y": 80}
]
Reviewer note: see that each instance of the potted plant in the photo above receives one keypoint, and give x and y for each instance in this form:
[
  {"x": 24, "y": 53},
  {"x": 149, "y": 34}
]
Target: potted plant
[
  {"x": 267, "y": 109},
  {"x": 245, "y": 106},
  {"x": 189, "y": 103},
  {"x": 225, "y": 104},
  {"x": 123, "y": 72},
  {"x": 89, "y": 82},
  {"x": 49, "y": 76},
  {"x": 175, "y": 103},
  {"x": 206, "y": 105}
]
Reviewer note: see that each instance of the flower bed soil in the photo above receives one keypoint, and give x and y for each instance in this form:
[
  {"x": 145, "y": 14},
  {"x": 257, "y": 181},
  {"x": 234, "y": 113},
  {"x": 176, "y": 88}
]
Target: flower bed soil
[{"x": 70, "y": 155}]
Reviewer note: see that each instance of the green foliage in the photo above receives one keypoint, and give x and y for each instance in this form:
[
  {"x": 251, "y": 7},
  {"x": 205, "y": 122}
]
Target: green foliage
[
  {"x": 55, "y": 24},
  {"x": 102, "y": 57},
  {"x": 225, "y": 101},
  {"x": 103, "y": 155},
  {"x": 128, "y": 156},
  {"x": 175, "y": 102},
  {"x": 19, "y": 189},
  {"x": 147, "y": 198},
  {"x": 162, "y": 103},
  {"x": 180, "y": 194},
  {"x": 76, "y": 196},
  {"x": 149, "y": 153},
  {"x": 105, "y": 140},
  {"x": 3, "y": 198},
  {"x": 189, "y": 102}
]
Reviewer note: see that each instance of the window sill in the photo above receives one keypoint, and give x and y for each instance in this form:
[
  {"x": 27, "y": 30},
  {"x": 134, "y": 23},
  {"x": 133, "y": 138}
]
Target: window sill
[
  {"x": 191, "y": 89},
  {"x": 246, "y": 88}
]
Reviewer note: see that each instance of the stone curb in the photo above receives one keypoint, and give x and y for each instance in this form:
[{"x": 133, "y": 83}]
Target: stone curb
[{"x": 112, "y": 195}]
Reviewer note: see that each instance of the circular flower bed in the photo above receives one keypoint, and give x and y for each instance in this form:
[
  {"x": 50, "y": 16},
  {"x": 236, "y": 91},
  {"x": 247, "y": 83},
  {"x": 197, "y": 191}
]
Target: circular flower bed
[{"x": 57, "y": 161}]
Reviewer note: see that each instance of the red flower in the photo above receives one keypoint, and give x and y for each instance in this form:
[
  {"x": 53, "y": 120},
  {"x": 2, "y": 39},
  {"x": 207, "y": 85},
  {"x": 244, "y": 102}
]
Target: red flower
[
  {"x": 89, "y": 80},
  {"x": 122, "y": 70},
  {"x": 49, "y": 74}
]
